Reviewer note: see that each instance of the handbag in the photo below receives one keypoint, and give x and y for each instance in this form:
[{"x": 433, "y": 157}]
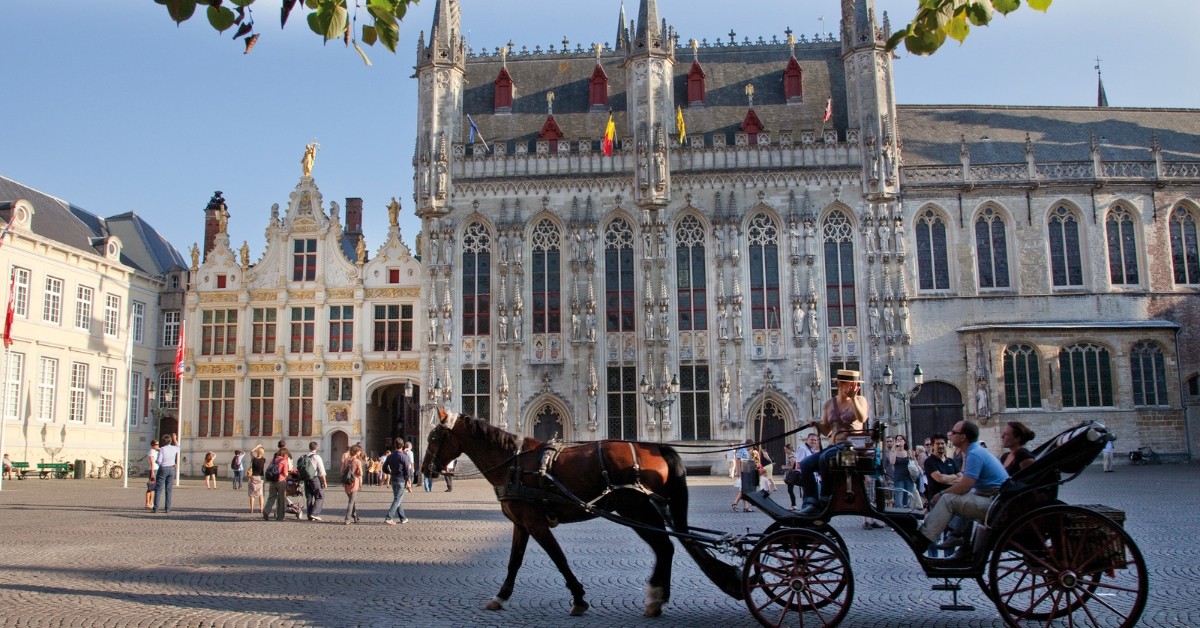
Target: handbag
[
  {"x": 913, "y": 470},
  {"x": 792, "y": 476}
]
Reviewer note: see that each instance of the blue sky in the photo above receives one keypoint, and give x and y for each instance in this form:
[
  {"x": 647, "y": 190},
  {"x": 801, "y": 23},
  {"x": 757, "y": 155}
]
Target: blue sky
[{"x": 109, "y": 105}]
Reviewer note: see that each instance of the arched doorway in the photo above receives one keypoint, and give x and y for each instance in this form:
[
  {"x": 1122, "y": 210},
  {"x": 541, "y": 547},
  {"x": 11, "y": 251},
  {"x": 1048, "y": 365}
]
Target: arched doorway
[
  {"x": 935, "y": 410},
  {"x": 339, "y": 443},
  {"x": 547, "y": 424},
  {"x": 391, "y": 415},
  {"x": 768, "y": 424}
]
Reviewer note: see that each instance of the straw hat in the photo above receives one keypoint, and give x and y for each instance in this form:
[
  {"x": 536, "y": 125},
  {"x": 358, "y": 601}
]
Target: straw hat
[{"x": 847, "y": 375}]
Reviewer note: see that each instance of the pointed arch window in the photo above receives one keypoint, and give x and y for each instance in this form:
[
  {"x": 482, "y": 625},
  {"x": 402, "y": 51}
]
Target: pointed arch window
[
  {"x": 619, "y": 314},
  {"x": 476, "y": 280},
  {"x": 793, "y": 81},
  {"x": 991, "y": 249},
  {"x": 695, "y": 403},
  {"x": 1066, "y": 263},
  {"x": 1086, "y": 373},
  {"x": 1148, "y": 370},
  {"x": 690, "y": 274},
  {"x": 933, "y": 272},
  {"x": 695, "y": 85},
  {"x": 839, "y": 270},
  {"x": 1122, "y": 248},
  {"x": 503, "y": 100},
  {"x": 1022, "y": 380},
  {"x": 598, "y": 89},
  {"x": 763, "y": 238},
  {"x": 546, "y": 277},
  {"x": 1185, "y": 261},
  {"x": 621, "y": 391}
]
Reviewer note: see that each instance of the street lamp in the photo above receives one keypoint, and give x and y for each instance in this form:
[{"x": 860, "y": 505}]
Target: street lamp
[
  {"x": 907, "y": 396},
  {"x": 660, "y": 397}
]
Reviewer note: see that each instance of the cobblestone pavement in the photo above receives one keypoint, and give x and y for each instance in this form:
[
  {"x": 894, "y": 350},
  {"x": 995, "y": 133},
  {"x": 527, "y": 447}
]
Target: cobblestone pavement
[{"x": 84, "y": 552}]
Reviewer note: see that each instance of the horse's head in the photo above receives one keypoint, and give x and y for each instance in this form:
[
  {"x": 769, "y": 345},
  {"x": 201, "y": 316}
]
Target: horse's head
[{"x": 443, "y": 444}]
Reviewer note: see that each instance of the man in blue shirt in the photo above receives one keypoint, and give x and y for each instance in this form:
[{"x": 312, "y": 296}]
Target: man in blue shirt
[
  {"x": 971, "y": 496},
  {"x": 398, "y": 466}
]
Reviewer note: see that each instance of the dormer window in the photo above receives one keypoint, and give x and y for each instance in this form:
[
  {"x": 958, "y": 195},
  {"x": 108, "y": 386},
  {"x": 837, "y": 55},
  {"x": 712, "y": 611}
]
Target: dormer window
[
  {"x": 695, "y": 85},
  {"x": 598, "y": 92},
  {"x": 551, "y": 132},
  {"x": 751, "y": 126},
  {"x": 793, "y": 86},
  {"x": 504, "y": 92}
]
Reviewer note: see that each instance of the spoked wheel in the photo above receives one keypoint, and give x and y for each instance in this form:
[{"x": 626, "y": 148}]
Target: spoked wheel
[
  {"x": 825, "y": 529},
  {"x": 1067, "y": 565},
  {"x": 116, "y": 473},
  {"x": 798, "y": 577}
]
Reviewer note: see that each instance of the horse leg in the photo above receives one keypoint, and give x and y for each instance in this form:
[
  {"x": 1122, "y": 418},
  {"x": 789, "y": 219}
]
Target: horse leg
[
  {"x": 541, "y": 533},
  {"x": 658, "y": 587},
  {"x": 515, "y": 557}
]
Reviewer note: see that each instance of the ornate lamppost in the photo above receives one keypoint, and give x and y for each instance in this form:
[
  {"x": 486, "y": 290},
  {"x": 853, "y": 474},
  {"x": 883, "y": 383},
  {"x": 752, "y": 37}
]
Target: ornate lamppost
[
  {"x": 906, "y": 396},
  {"x": 660, "y": 397}
]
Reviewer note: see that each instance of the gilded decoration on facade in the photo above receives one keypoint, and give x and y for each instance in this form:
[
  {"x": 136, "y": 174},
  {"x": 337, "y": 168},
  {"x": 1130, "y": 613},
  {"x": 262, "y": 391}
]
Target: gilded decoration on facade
[
  {"x": 393, "y": 366},
  {"x": 218, "y": 297},
  {"x": 216, "y": 369},
  {"x": 393, "y": 293}
]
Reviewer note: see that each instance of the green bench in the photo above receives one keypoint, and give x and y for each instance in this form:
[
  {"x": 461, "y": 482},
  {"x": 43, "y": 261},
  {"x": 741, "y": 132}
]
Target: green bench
[
  {"x": 19, "y": 469},
  {"x": 59, "y": 470}
]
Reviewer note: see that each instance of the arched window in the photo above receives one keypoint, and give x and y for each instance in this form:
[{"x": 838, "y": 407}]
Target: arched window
[
  {"x": 1022, "y": 381},
  {"x": 839, "y": 270},
  {"x": 695, "y": 402},
  {"x": 691, "y": 292},
  {"x": 1086, "y": 374},
  {"x": 1148, "y": 372},
  {"x": 793, "y": 81},
  {"x": 763, "y": 237},
  {"x": 991, "y": 249},
  {"x": 1066, "y": 266},
  {"x": 546, "y": 277},
  {"x": 622, "y": 401},
  {"x": 1184, "y": 257},
  {"x": 1122, "y": 248},
  {"x": 476, "y": 280},
  {"x": 619, "y": 314},
  {"x": 933, "y": 271}
]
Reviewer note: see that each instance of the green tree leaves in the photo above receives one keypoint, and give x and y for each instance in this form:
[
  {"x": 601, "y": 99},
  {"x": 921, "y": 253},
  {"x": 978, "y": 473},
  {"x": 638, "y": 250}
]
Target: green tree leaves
[{"x": 936, "y": 20}]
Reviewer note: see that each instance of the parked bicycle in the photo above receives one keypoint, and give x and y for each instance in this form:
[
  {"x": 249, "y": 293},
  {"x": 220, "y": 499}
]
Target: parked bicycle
[
  {"x": 134, "y": 470},
  {"x": 110, "y": 469},
  {"x": 1144, "y": 455}
]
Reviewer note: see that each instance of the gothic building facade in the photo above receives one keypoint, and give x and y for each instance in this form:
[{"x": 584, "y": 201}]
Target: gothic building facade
[{"x": 766, "y": 215}]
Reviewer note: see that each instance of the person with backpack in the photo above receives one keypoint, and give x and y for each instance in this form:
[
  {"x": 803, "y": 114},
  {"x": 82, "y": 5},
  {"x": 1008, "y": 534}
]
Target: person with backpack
[
  {"x": 239, "y": 469},
  {"x": 399, "y": 468},
  {"x": 275, "y": 477},
  {"x": 311, "y": 471}
]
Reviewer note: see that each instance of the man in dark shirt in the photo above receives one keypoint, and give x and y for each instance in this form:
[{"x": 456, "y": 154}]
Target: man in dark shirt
[
  {"x": 940, "y": 473},
  {"x": 398, "y": 466}
]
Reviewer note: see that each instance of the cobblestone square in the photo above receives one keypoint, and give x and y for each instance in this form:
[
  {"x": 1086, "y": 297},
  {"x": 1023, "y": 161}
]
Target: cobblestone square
[{"x": 85, "y": 553}]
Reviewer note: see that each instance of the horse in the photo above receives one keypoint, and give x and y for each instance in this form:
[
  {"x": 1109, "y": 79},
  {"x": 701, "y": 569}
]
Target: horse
[{"x": 540, "y": 485}]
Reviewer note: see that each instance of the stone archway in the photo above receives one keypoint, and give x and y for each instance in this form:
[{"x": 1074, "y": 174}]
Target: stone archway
[
  {"x": 339, "y": 444},
  {"x": 770, "y": 423},
  {"x": 935, "y": 409}
]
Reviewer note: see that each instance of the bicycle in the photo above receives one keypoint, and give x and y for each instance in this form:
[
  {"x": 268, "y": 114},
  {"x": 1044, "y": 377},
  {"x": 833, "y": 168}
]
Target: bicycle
[
  {"x": 134, "y": 470},
  {"x": 1143, "y": 456},
  {"x": 110, "y": 469}
]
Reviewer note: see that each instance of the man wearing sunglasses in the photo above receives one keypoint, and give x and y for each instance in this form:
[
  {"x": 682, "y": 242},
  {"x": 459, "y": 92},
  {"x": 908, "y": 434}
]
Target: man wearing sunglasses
[{"x": 971, "y": 496}]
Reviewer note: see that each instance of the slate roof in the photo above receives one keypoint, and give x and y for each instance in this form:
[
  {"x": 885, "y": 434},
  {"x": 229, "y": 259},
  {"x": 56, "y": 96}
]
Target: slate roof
[
  {"x": 932, "y": 133},
  {"x": 143, "y": 248},
  {"x": 727, "y": 69}
]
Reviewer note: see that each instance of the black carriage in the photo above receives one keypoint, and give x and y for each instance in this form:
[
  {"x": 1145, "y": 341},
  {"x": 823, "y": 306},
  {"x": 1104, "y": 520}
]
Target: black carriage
[{"x": 1041, "y": 561}]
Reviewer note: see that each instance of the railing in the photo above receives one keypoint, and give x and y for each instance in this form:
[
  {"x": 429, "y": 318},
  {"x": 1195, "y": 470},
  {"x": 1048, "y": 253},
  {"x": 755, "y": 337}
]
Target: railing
[{"x": 1075, "y": 171}]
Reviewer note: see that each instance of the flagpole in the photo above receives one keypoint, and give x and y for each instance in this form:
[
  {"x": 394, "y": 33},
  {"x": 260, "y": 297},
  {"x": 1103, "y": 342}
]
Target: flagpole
[
  {"x": 4, "y": 419},
  {"x": 128, "y": 386}
]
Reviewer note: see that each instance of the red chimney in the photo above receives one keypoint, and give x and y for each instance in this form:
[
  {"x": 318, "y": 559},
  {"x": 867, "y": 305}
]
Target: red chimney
[{"x": 354, "y": 209}]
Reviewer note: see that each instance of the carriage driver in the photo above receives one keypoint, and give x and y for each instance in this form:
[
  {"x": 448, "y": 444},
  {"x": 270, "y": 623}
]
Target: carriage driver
[{"x": 844, "y": 413}]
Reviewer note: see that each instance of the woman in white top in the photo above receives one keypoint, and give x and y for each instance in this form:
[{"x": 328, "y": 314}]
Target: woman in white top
[{"x": 152, "y": 469}]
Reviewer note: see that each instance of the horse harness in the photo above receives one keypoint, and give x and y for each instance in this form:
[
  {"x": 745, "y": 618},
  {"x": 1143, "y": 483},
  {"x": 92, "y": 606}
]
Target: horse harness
[{"x": 553, "y": 495}]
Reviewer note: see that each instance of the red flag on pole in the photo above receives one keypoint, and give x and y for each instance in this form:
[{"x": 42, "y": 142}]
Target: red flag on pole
[
  {"x": 8, "y": 315},
  {"x": 828, "y": 110},
  {"x": 179, "y": 354}
]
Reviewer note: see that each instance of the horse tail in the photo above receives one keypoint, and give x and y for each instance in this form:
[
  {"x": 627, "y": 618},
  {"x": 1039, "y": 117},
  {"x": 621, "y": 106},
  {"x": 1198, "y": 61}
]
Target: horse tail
[{"x": 725, "y": 576}]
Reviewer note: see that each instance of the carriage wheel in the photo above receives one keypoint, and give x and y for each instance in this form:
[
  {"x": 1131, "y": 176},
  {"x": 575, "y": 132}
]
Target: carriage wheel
[
  {"x": 797, "y": 577},
  {"x": 825, "y": 529},
  {"x": 116, "y": 473},
  {"x": 1070, "y": 564}
]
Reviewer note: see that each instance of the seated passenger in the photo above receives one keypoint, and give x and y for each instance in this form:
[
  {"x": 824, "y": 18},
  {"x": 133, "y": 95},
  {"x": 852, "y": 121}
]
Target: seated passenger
[
  {"x": 839, "y": 416},
  {"x": 971, "y": 496}
]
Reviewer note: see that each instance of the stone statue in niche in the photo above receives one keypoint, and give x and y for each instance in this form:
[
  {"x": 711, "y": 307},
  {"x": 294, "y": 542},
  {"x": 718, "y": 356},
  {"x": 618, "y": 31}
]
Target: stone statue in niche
[
  {"x": 441, "y": 180},
  {"x": 798, "y": 319},
  {"x": 983, "y": 405},
  {"x": 902, "y": 313},
  {"x": 810, "y": 236},
  {"x": 884, "y": 227},
  {"x": 873, "y": 315},
  {"x": 901, "y": 246},
  {"x": 649, "y": 325},
  {"x": 517, "y": 326},
  {"x": 725, "y": 399},
  {"x": 794, "y": 239},
  {"x": 574, "y": 326},
  {"x": 589, "y": 242},
  {"x": 662, "y": 243},
  {"x": 447, "y": 328},
  {"x": 737, "y": 321},
  {"x": 723, "y": 323},
  {"x": 503, "y": 328},
  {"x": 435, "y": 249},
  {"x": 718, "y": 241},
  {"x": 664, "y": 325},
  {"x": 502, "y": 246},
  {"x": 578, "y": 242},
  {"x": 593, "y": 409},
  {"x": 889, "y": 321},
  {"x": 660, "y": 161},
  {"x": 447, "y": 249},
  {"x": 423, "y": 180},
  {"x": 591, "y": 326},
  {"x": 433, "y": 325}
]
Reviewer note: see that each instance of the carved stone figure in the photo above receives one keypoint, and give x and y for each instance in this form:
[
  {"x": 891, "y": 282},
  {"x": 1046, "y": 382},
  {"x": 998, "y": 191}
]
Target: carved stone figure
[
  {"x": 222, "y": 219},
  {"x": 591, "y": 326},
  {"x": 810, "y": 237},
  {"x": 873, "y": 315},
  {"x": 589, "y": 243},
  {"x": 503, "y": 328},
  {"x": 517, "y": 326},
  {"x": 593, "y": 409},
  {"x": 884, "y": 245},
  {"x": 718, "y": 241},
  {"x": 433, "y": 325},
  {"x": 725, "y": 400},
  {"x": 983, "y": 405},
  {"x": 310, "y": 156},
  {"x": 195, "y": 256},
  {"x": 662, "y": 244},
  {"x": 360, "y": 249},
  {"x": 664, "y": 326},
  {"x": 737, "y": 321},
  {"x": 723, "y": 323},
  {"x": 902, "y": 313},
  {"x": 578, "y": 243},
  {"x": 441, "y": 180},
  {"x": 502, "y": 246},
  {"x": 798, "y": 319},
  {"x": 393, "y": 210},
  {"x": 423, "y": 176},
  {"x": 245, "y": 251},
  {"x": 889, "y": 321},
  {"x": 446, "y": 328},
  {"x": 435, "y": 249},
  {"x": 794, "y": 240},
  {"x": 901, "y": 246},
  {"x": 575, "y": 327},
  {"x": 447, "y": 249}
]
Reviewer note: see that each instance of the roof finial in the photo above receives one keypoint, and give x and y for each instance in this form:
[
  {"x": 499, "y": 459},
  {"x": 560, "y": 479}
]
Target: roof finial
[
  {"x": 550, "y": 102},
  {"x": 1101, "y": 97},
  {"x": 750, "y": 94},
  {"x": 504, "y": 56},
  {"x": 695, "y": 50},
  {"x": 598, "y": 48}
]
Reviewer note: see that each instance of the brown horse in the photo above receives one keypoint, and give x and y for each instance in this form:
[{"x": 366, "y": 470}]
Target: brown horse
[{"x": 541, "y": 485}]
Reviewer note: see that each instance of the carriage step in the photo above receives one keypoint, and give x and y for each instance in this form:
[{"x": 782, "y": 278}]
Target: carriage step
[{"x": 953, "y": 588}]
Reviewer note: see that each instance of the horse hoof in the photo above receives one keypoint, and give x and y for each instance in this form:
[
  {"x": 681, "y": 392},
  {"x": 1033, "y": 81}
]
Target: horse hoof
[
  {"x": 653, "y": 610},
  {"x": 579, "y": 609},
  {"x": 494, "y": 605}
]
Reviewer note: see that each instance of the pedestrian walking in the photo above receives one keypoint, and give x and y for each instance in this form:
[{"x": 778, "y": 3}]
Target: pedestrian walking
[
  {"x": 398, "y": 467},
  {"x": 311, "y": 471},
  {"x": 254, "y": 484},
  {"x": 275, "y": 478},
  {"x": 210, "y": 471},
  {"x": 352, "y": 476},
  {"x": 238, "y": 468}
]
